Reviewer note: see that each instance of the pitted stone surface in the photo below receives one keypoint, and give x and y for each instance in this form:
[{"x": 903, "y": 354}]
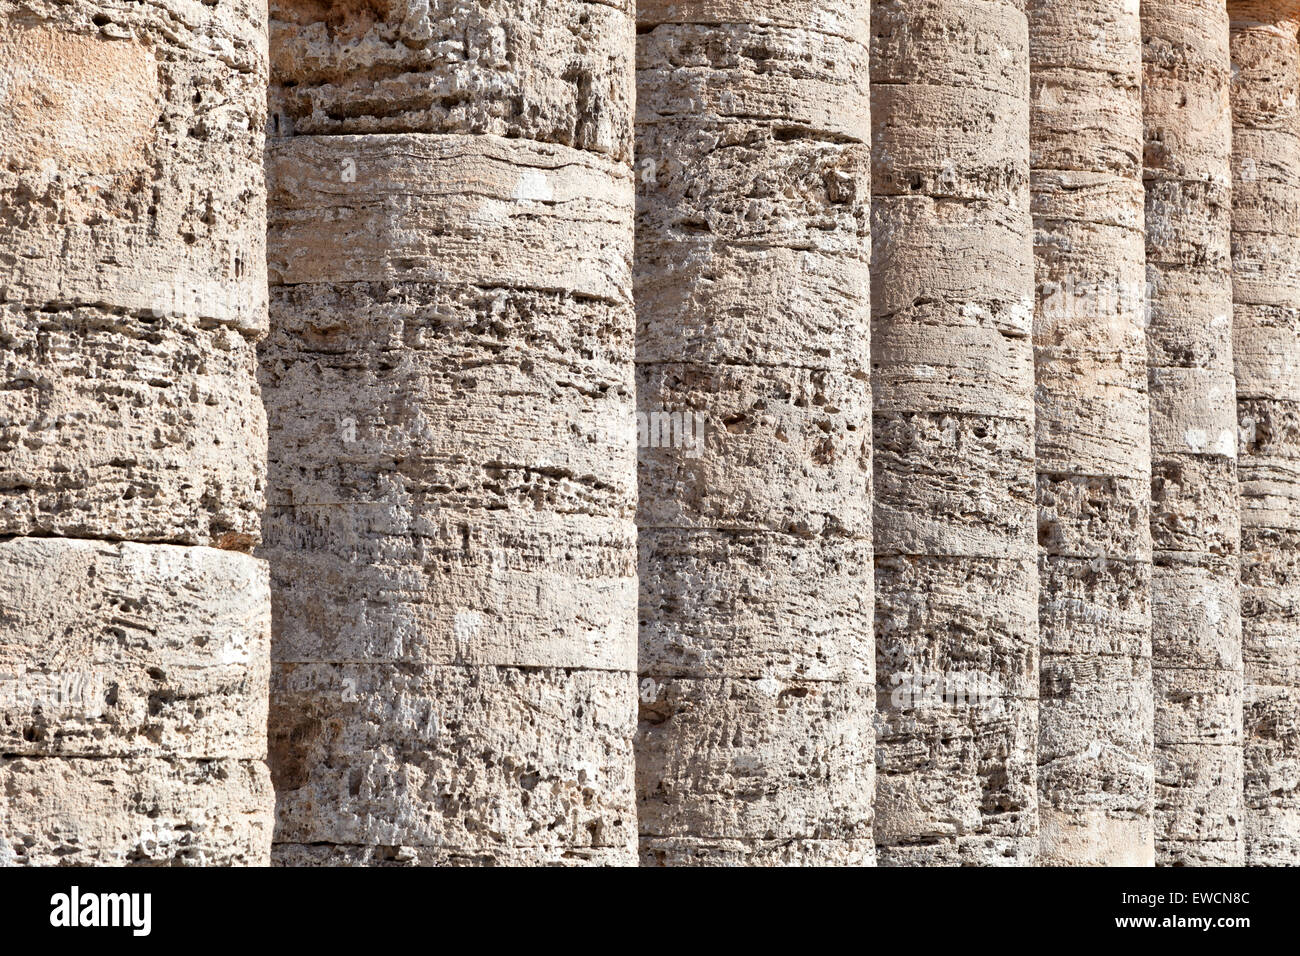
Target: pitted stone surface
[
  {"x": 133, "y": 175},
  {"x": 803, "y": 81},
  {"x": 553, "y": 71},
  {"x": 325, "y": 854},
  {"x": 460, "y": 760},
  {"x": 82, "y": 811},
  {"x": 953, "y": 484},
  {"x": 133, "y": 632},
  {"x": 453, "y": 475},
  {"x": 766, "y": 759},
  {"x": 782, "y": 449},
  {"x": 376, "y": 581},
  {"x": 473, "y": 210},
  {"x": 412, "y": 372},
  {"x": 132, "y": 245},
  {"x": 1102, "y": 519},
  {"x": 963, "y": 767},
  {"x": 752, "y": 251},
  {"x": 1093, "y": 446},
  {"x": 1195, "y": 526},
  {"x": 969, "y": 773},
  {"x": 975, "y": 544},
  {"x": 1266, "y": 351},
  {"x": 760, "y": 605},
  {"x": 848, "y": 20},
  {"x": 700, "y": 852},
  {"x": 129, "y": 426},
  {"x": 953, "y": 383},
  {"x": 752, "y": 297},
  {"x": 450, "y": 387},
  {"x": 128, "y": 650}
]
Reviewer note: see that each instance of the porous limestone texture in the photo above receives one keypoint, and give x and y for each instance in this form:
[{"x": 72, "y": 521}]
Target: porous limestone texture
[
  {"x": 458, "y": 759},
  {"x": 1195, "y": 530},
  {"x": 132, "y": 650},
  {"x": 952, "y": 291},
  {"x": 449, "y": 384},
  {"x": 133, "y": 158},
  {"x": 134, "y": 628},
  {"x": 339, "y": 854},
  {"x": 128, "y": 425},
  {"x": 134, "y": 811},
  {"x": 1093, "y": 446},
  {"x": 755, "y": 742},
  {"x": 552, "y": 71},
  {"x": 1266, "y": 350},
  {"x": 132, "y": 257}
]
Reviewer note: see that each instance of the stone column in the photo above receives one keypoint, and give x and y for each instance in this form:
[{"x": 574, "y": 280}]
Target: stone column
[
  {"x": 134, "y": 624},
  {"x": 753, "y": 391},
  {"x": 1093, "y": 446},
  {"x": 1196, "y": 620},
  {"x": 1266, "y": 348},
  {"x": 953, "y": 382},
  {"x": 449, "y": 384}
]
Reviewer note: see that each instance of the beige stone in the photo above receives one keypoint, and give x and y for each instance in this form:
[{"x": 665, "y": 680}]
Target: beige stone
[
  {"x": 752, "y": 296},
  {"x": 767, "y": 759},
  {"x": 755, "y": 605},
  {"x": 130, "y": 427},
  {"x": 1194, "y": 522},
  {"x": 1093, "y": 440},
  {"x": 331, "y": 855},
  {"x": 702, "y": 432},
  {"x": 953, "y": 381},
  {"x": 1266, "y": 349},
  {"x": 379, "y": 582},
  {"x": 129, "y": 650},
  {"x": 134, "y": 629},
  {"x": 1199, "y": 804},
  {"x": 449, "y": 384},
  {"x": 460, "y": 760},
  {"x": 541, "y": 70},
  {"x": 133, "y": 176},
  {"x": 783, "y": 449},
  {"x": 133, "y": 252},
  {"x": 735, "y": 853},
  {"x": 80, "y": 811}
]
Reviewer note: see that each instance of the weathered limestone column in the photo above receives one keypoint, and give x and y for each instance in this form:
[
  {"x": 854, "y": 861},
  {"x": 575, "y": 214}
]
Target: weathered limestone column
[
  {"x": 134, "y": 625},
  {"x": 1196, "y": 622},
  {"x": 1266, "y": 348},
  {"x": 953, "y": 383},
  {"x": 753, "y": 325},
  {"x": 1095, "y": 771},
  {"x": 449, "y": 383}
]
